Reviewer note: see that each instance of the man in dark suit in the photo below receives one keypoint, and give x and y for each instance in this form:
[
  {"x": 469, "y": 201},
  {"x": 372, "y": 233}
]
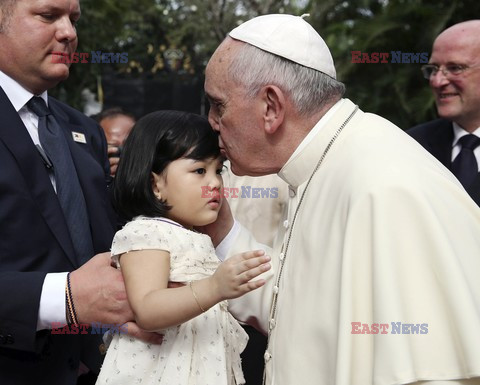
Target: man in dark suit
[
  {"x": 37, "y": 244},
  {"x": 454, "y": 75}
]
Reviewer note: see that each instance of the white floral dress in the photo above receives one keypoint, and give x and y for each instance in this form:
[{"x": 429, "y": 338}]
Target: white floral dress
[{"x": 203, "y": 351}]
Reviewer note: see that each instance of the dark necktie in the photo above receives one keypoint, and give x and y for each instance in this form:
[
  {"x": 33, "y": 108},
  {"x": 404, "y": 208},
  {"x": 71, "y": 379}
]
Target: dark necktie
[
  {"x": 465, "y": 165},
  {"x": 69, "y": 192}
]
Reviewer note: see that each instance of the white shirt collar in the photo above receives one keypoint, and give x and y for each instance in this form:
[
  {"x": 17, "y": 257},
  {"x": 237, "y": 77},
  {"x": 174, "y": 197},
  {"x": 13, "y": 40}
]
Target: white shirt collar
[
  {"x": 17, "y": 95},
  {"x": 458, "y": 132}
]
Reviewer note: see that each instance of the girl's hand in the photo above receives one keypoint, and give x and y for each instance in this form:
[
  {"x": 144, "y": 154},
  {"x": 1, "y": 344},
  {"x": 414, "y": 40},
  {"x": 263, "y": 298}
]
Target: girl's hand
[{"x": 234, "y": 277}]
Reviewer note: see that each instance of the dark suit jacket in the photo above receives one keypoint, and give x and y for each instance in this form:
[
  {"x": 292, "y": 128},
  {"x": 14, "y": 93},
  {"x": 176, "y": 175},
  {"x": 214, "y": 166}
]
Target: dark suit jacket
[
  {"x": 437, "y": 138},
  {"x": 34, "y": 241}
]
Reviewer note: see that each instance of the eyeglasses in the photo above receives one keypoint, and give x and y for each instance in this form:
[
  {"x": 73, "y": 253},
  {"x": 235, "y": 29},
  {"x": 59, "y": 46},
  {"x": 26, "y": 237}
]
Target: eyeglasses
[{"x": 450, "y": 70}]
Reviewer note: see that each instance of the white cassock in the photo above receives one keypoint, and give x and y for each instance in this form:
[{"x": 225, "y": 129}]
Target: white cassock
[
  {"x": 384, "y": 235},
  {"x": 260, "y": 213}
]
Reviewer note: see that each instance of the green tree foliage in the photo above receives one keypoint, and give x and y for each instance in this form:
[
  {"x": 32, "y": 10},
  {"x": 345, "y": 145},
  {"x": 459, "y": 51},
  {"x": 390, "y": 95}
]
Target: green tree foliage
[
  {"x": 153, "y": 32},
  {"x": 166, "y": 36},
  {"x": 105, "y": 26},
  {"x": 396, "y": 91}
]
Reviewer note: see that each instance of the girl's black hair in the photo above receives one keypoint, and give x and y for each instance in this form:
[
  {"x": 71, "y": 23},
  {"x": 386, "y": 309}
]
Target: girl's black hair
[{"x": 155, "y": 141}]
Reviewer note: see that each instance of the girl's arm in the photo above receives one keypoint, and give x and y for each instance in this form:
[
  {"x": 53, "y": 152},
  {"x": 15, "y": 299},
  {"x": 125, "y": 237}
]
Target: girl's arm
[{"x": 157, "y": 307}]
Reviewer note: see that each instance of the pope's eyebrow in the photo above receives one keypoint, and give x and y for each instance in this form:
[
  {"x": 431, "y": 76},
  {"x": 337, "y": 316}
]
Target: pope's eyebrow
[{"x": 212, "y": 98}]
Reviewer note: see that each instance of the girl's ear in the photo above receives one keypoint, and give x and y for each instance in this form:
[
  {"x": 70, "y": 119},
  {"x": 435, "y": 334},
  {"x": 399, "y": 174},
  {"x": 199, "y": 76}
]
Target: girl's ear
[{"x": 157, "y": 185}]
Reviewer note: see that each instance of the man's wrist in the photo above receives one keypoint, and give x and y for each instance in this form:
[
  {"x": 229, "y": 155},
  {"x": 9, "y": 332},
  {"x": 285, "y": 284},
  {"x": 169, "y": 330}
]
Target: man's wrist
[
  {"x": 224, "y": 246},
  {"x": 70, "y": 311},
  {"x": 52, "y": 301}
]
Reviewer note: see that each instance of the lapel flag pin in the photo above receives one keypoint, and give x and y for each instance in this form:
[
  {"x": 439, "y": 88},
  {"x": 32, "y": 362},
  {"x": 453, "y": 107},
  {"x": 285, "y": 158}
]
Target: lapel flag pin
[{"x": 79, "y": 137}]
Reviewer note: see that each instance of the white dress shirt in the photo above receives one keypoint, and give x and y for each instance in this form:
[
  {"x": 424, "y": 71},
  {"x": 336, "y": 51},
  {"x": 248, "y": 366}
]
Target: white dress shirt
[{"x": 52, "y": 300}]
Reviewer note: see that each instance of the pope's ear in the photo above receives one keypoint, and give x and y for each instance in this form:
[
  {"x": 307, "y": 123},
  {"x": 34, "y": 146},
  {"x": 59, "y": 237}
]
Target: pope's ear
[{"x": 274, "y": 111}]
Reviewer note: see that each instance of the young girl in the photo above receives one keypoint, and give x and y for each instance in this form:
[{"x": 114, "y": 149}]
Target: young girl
[{"x": 167, "y": 182}]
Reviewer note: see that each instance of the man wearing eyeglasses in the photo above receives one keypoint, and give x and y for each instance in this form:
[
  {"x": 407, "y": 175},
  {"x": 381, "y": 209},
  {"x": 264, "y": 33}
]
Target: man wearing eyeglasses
[{"x": 454, "y": 76}]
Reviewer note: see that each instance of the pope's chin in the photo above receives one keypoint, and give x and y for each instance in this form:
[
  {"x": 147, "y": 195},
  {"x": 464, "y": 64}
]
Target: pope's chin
[{"x": 237, "y": 170}]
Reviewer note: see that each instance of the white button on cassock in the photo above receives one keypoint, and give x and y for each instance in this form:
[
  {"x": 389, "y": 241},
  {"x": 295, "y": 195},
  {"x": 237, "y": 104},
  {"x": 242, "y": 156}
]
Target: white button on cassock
[
  {"x": 272, "y": 324},
  {"x": 285, "y": 223},
  {"x": 267, "y": 356},
  {"x": 291, "y": 192}
]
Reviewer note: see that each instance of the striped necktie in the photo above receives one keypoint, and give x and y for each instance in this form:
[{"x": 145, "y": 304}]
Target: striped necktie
[
  {"x": 69, "y": 191},
  {"x": 465, "y": 165}
]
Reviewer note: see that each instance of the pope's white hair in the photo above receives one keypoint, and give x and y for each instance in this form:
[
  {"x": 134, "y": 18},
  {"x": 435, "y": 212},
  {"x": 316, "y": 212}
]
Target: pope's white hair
[{"x": 309, "y": 90}]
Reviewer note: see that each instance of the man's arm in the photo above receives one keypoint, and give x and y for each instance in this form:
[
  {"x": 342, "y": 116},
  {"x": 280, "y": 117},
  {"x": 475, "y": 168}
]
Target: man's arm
[
  {"x": 19, "y": 310},
  {"x": 254, "y": 307}
]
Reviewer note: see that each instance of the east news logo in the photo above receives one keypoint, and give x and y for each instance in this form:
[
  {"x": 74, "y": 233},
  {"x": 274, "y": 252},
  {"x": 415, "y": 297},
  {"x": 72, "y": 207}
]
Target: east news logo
[
  {"x": 383, "y": 57},
  {"x": 97, "y": 57},
  {"x": 384, "y": 328}
]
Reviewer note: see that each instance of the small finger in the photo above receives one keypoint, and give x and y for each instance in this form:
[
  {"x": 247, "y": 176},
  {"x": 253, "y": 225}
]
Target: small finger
[
  {"x": 253, "y": 285},
  {"x": 151, "y": 338},
  {"x": 252, "y": 254},
  {"x": 249, "y": 274},
  {"x": 254, "y": 262}
]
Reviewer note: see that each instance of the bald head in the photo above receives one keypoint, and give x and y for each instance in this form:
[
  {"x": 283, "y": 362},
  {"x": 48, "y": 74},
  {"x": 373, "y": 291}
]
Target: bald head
[
  {"x": 461, "y": 34},
  {"x": 461, "y": 30},
  {"x": 458, "y": 95}
]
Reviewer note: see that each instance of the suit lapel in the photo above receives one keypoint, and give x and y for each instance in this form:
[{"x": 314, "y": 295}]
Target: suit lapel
[
  {"x": 78, "y": 146},
  {"x": 16, "y": 138},
  {"x": 440, "y": 142},
  {"x": 474, "y": 190},
  {"x": 83, "y": 159}
]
